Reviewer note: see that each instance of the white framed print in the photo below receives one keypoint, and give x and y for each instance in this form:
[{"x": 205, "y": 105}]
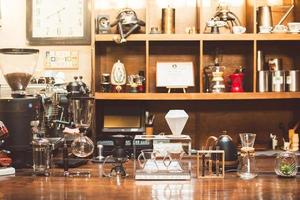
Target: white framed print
[{"x": 175, "y": 74}]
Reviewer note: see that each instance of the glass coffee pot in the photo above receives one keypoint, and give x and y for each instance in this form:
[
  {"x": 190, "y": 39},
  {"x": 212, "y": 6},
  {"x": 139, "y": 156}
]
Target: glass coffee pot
[
  {"x": 18, "y": 66},
  {"x": 247, "y": 164}
]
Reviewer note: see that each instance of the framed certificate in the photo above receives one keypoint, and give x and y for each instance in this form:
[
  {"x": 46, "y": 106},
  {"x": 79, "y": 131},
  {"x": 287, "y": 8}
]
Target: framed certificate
[{"x": 175, "y": 74}]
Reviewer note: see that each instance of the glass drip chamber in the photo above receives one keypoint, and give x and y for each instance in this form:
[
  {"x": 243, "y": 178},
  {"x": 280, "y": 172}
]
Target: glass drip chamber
[{"x": 247, "y": 163}]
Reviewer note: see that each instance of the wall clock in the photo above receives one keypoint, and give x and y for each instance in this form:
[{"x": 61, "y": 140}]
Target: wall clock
[{"x": 51, "y": 22}]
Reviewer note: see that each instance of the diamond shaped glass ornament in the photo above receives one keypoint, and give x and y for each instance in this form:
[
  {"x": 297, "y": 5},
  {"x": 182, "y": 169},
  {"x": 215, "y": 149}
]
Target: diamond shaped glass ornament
[{"x": 176, "y": 120}]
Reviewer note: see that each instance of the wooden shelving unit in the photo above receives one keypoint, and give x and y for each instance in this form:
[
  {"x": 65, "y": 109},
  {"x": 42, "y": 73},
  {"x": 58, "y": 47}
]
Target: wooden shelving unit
[{"x": 143, "y": 50}]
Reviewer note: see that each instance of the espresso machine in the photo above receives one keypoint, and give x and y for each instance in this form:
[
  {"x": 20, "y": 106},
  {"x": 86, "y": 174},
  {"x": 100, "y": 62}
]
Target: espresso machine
[{"x": 18, "y": 110}]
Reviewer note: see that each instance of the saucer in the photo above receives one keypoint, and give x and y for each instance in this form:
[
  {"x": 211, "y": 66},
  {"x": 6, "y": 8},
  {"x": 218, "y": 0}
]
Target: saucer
[{"x": 294, "y": 32}]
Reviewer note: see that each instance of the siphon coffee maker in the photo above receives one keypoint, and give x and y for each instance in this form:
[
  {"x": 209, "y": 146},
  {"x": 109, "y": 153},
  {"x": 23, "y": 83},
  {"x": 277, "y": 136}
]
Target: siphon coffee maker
[
  {"x": 247, "y": 164},
  {"x": 81, "y": 111}
]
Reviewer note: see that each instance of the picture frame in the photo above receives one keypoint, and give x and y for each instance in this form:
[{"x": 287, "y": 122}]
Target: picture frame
[{"x": 175, "y": 74}]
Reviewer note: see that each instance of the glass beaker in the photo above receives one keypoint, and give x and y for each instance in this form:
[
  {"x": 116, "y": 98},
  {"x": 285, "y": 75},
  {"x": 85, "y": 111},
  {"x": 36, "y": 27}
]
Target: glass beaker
[
  {"x": 247, "y": 163},
  {"x": 41, "y": 156}
]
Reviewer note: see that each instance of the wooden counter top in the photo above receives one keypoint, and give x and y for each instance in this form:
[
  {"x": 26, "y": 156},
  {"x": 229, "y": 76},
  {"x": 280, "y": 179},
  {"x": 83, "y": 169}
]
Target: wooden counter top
[{"x": 266, "y": 186}]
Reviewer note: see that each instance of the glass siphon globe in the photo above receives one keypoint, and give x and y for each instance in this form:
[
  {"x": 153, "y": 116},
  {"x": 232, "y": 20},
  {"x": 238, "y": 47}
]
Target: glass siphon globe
[{"x": 82, "y": 146}]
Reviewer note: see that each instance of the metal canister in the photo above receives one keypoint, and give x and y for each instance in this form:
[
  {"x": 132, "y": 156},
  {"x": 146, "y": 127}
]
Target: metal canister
[
  {"x": 168, "y": 20},
  {"x": 264, "y": 16},
  {"x": 278, "y": 81},
  {"x": 260, "y": 60},
  {"x": 293, "y": 81},
  {"x": 105, "y": 83},
  {"x": 263, "y": 83}
]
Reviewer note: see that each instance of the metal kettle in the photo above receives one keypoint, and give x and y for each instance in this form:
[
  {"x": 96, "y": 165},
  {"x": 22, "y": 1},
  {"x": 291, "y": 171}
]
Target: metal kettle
[{"x": 224, "y": 142}]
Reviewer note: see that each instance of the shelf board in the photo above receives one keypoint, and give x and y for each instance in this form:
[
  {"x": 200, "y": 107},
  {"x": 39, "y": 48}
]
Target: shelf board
[
  {"x": 277, "y": 36},
  {"x": 197, "y": 96},
  {"x": 110, "y": 37},
  {"x": 198, "y": 37},
  {"x": 174, "y": 37},
  {"x": 228, "y": 36}
]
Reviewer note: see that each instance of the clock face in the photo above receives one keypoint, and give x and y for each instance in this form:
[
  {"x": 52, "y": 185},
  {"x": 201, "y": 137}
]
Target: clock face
[
  {"x": 58, "y": 21},
  {"x": 57, "y": 18}
]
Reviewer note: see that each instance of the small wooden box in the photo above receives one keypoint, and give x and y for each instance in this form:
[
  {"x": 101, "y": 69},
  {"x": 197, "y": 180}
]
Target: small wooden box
[{"x": 210, "y": 169}]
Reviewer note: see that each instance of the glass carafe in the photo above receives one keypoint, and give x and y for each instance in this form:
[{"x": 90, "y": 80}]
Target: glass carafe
[{"x": 247, "y": 164}]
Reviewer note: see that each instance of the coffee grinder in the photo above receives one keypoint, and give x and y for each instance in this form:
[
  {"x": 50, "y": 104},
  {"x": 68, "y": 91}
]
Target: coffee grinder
[{"x": 17, "y": 111}]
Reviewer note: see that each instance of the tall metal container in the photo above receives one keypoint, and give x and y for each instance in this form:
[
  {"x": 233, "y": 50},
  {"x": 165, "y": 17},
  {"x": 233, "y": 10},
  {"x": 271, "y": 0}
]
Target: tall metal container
[
  {"x": 278, "y": 81},
  {"x": 263, "y": 81},
  {"x": 293, "y": 81},
  {"x": 168, "y": 20}
]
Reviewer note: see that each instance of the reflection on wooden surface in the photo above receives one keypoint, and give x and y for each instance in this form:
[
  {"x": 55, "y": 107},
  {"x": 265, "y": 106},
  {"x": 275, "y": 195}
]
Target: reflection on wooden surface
[{"x": 265, "y": 186}]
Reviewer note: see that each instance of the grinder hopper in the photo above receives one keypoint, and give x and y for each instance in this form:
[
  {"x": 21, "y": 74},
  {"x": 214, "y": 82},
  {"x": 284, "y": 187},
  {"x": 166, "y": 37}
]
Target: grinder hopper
[{"x": 18, "y": 66}]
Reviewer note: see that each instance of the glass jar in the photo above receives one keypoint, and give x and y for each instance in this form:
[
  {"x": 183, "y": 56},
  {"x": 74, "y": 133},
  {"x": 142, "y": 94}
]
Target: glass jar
[
  {"x": 286, "y": 164},
  {"x": 41, "y": 156}
]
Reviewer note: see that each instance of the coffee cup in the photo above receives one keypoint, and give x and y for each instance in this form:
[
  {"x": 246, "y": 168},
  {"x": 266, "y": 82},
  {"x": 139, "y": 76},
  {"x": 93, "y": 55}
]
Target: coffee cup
[
  {"x": 265, "y": 29},
  {"x": 238, "y": 29},
  {"x": 294, "y": 27}
]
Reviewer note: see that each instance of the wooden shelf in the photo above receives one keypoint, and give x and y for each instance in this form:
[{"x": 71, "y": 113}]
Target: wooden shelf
[
  {"x": 198, "y": 37},
  {"x": 110, "y": 37},
  {"x": 197, "y": 96},
  {"x": 277, "y": 36}
]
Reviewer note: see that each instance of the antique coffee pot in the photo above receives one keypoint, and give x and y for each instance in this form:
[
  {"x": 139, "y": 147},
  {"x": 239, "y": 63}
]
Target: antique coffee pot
[{"x": 224, "y": 142}]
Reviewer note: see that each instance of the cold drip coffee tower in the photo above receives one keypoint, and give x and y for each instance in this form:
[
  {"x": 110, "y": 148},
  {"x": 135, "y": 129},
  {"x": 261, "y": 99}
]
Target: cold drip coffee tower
[{"x": 17, "y": 111}]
